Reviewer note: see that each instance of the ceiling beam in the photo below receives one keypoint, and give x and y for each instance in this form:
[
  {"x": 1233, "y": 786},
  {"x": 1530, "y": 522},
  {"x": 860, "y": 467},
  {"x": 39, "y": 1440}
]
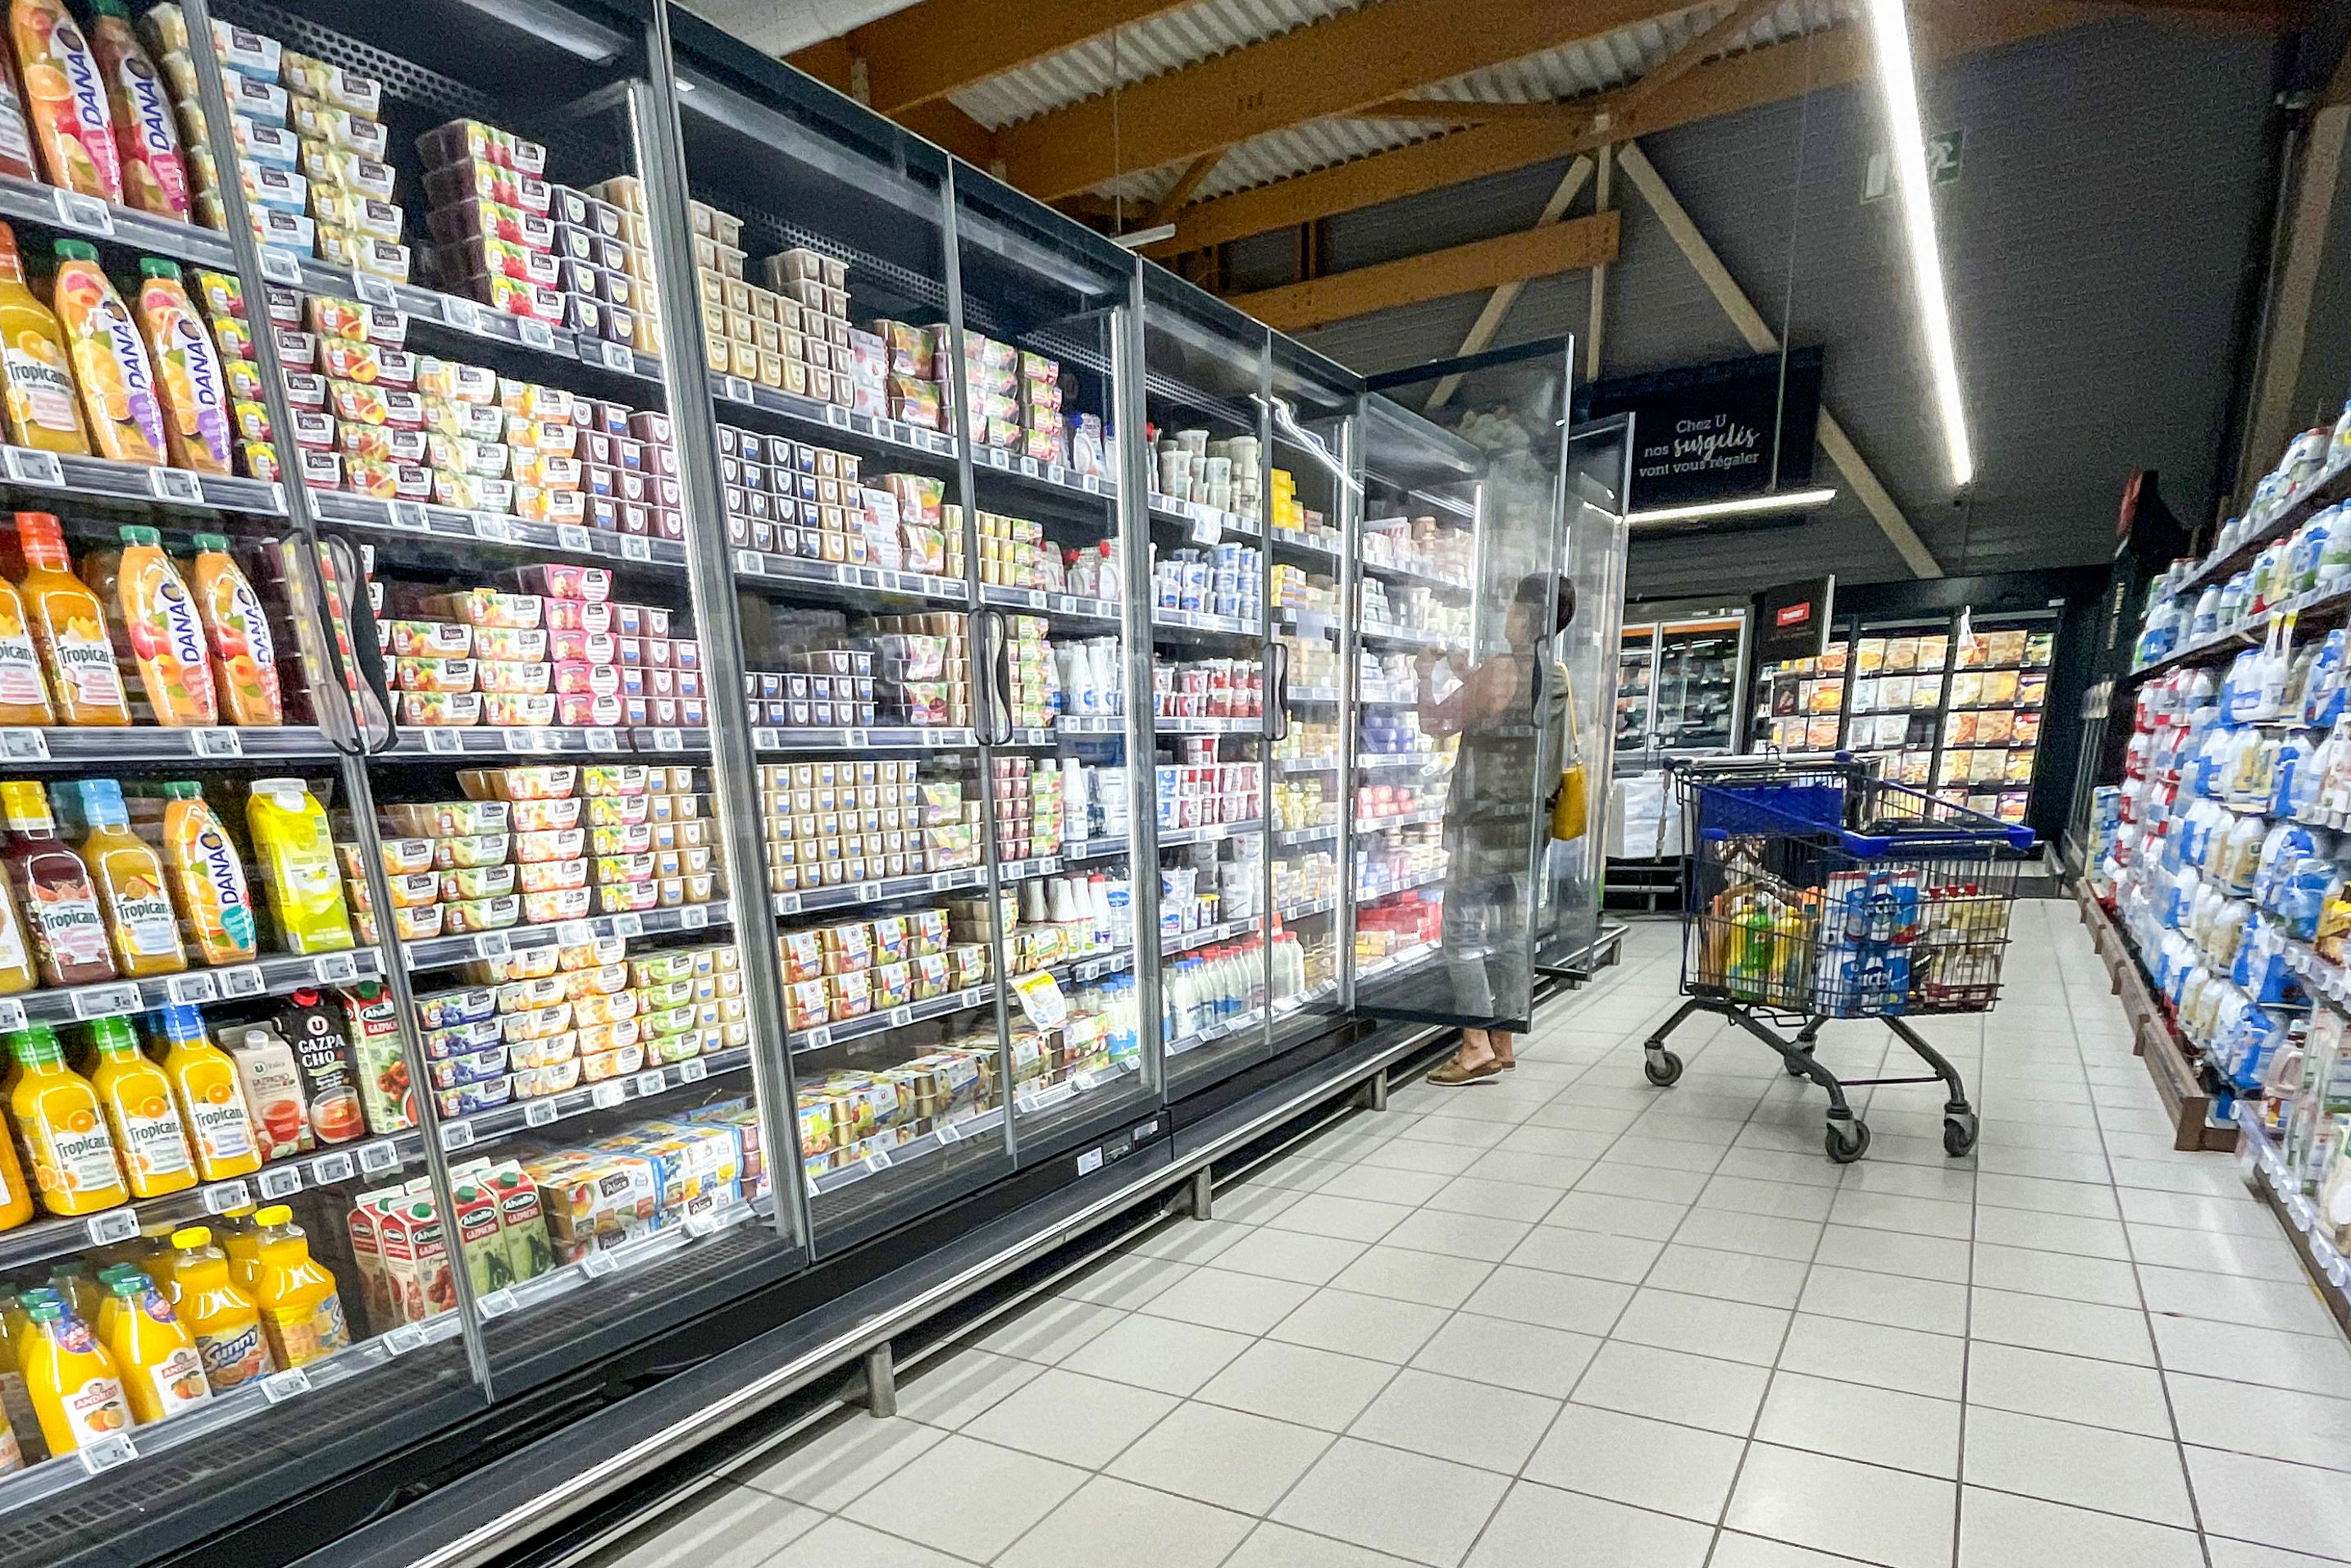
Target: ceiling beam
[
  {"x": 928, "y": 50},
  {"x": 1376, "y": 52},
  {"x": 1173, "y": 199},
  {"x": 1434, "y": 274},
  {"x": 1758, "y": 77},
  {"x": 1466, "y": 112},
  {"x": 1498, "y": 304},
  {"x": 1678, "y": 65}
]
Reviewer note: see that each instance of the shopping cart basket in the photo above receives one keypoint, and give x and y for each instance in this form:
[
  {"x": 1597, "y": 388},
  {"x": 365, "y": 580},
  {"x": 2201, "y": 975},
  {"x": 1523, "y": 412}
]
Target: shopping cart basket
[{"x": 1820, "y": 892}]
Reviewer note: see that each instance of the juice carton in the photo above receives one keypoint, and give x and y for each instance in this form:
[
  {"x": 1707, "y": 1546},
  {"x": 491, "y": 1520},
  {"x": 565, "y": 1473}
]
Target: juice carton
[
  {"x": 331, "y": 1080},
  {"x": 416, "y": 1259},
  {"x": 528, "y": 1253},
  {"x": 481, "y": 1240},
  {"x": 289, "y": 832},
  {"x": 272, "y": 1079},
  {"x": 371, "y": 1025},
  {"x": 365, "y": 1224}
]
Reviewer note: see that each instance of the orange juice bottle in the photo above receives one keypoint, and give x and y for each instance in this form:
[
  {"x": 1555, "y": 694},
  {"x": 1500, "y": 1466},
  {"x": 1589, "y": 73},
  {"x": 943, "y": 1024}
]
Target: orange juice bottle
[
  {"x": 207, "y": 878},
  {"x": 60, "y": 904},
  {"x": 235, "y": 1234},
  {"x": 136, "y": 1099},
  {"x": 69, "y": 628},
  {"x": 57, "y": 1115},
  {"x": 140, "y": 919},
  {"x": 212, "y": 1105},
  {"x": 17, "y": 972},
  {"x": 301, "y": 1311},
  {"x": 188, "y": 374},
  {"x": 220, "y": 1318},
  {"x": 76, "y": 1396},
  {"x": 24, "y": 694},
  {"x": 16, "y": 1205},
  {"x": 110, "y": 361},
  {"x": 44, "y": 408},
  {"x": 153, "y": 1352},
  {"x": 146, "y": 128},
  {"x": 166, "y": 635},
  {"x": 289, "y": 832},
  {"x": 64, "y": 92},
  {"x": 245, "y": 653}
]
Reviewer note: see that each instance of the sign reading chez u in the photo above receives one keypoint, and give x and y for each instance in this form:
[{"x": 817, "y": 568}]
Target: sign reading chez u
[{"x": 1707, "y": 433}]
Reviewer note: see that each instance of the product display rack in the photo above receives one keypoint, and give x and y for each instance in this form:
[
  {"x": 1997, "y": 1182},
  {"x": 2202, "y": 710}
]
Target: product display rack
[{"x": 1033, "y": 1055}]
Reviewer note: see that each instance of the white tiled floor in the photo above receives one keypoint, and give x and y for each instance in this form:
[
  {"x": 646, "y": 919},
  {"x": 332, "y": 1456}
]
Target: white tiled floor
[{"x": 1569, "y": 1319}]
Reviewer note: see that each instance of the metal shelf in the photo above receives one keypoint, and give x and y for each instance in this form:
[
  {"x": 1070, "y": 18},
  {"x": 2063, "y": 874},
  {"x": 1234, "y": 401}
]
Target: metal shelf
[
  {"x": 414, "y": 520},
  {"x": 1061, "y": 606},
  {"x": 1191, "y": 941},
  {"x": 1306, "y": 765},
  {"x": 104, "y": 747},
  {"x": 1410, "y": 637},
  {"x": 1408, "y": 574},
  {"x": 458, "y": 1133},
  {"x": 1403, "y": 820},
  {"x": 271, "y": 976},
  {"x": 1372, "y": 895},
  {"x": 944, "y": 1136},
  {"x": 762, "y": 567},
  {"x": 1166, "y": 619},
  {"x": 1426, "y": 761},
  {"x": 1169, "y": 726},
  {"x": 1320, "y": 833},
  {"x": 825, "y": 1035},
  {"x": 1206, "y": 522},
  {"x": 1031, "y": 471},
  {"x": 887, "y": 890},
  {"x": 888, "y": 738},
  {"x": 440, "y": 952},
  {"x": 1051, "y": 1096},
  {"x": 1291, "y": 538},
  {"x": 636, "y": 1252},
  {"x": 1396, "y": 964},
  {"x": 103, "y": 478},
  {"x": 1236, "y": 1024},
  {"x": 1207, "y": 832}
]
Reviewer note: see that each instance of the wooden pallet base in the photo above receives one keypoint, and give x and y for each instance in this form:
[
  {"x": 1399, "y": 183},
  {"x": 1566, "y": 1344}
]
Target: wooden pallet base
[{"x": 2153, "y": 1038}]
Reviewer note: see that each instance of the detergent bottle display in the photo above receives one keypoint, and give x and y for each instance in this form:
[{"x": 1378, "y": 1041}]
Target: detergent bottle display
[
  {"x": 155, "y": 1357},
  {"x": 44, "y": 408},
  {"x": 110, "y": 359},
  {"x": 164, "y": 631},
  {"x": 288, "y": 828},
  {"x": 207, "y": 877},
  {"x": 141, "y": 1113},
  {"x": 63, "y": 1127},
  {"x": 54, "y": 889},
  {"x": 244, "y": 653},
  {"x": 188, "y": 374},
  {"x": 65, "y": 93},
  {"x": 69, "y": 628},
  {"x": 76, "y": 1388},
  {"x": 140, "y": 923}
]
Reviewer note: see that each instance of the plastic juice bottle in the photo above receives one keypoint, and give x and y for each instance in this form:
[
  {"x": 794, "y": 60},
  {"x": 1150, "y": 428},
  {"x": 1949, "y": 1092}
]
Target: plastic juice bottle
[
  {"x": 212, "y": 1105},
  {"x": 16, "y": 1403},
  {"x": 289, "y": 832},
  {"x": 245, "y": 653},
  {"x": 166, "y": 634},
  {"x": 216, "y": 902},
  {"x": 17, "y": 154},
  {"x": 68, "y": 627},
  {"x": 235, "y": 1234},
  {"x": 154, "y": 1355},
  {"x": 53, "y": 885},
  {"x": 137, "y": 1098},
  {"x": 76, "y": 1396},
  {"x": 301, "y": 1311},
  {"x": 24, "y": 694},
  {"x": 146, "y": 128},
  {"x": 220, "y": 1318},
  {"x": 140, "y": 918},
  {"x": 80, "y": 1289},
  {"x": 44, "y": 408},
  {"x": 17, "y": 969},
  {"x": 102, "y": 1324},
  {"x": 189, "y": 378},
  {"x": 110, "y": 361},
  {"x": 65, "y": 91},
  {"x": 57, "y": 1115}
]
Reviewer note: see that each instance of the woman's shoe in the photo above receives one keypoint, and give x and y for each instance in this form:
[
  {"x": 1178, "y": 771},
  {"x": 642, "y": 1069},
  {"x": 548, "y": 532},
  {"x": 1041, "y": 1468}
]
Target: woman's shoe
[{"x": 1453, "y": 1074}]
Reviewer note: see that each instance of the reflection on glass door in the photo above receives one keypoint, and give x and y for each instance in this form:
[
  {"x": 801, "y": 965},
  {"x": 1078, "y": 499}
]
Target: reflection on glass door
[
  {"x": 1697, "y": 684},
  {"x": 1636, "y": 689}
]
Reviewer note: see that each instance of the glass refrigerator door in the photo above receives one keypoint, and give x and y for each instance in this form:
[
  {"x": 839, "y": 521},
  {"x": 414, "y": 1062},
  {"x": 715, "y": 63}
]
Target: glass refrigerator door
[
  {"x": 1047, "y": 318},
  {"x": 1205, "y": 374},
  {"x": 1636, "y": 689},
  {"x": 1699, "y": 674},
  {"x": 1312, "y": 509},
  {"x": 826, "y": 295}
]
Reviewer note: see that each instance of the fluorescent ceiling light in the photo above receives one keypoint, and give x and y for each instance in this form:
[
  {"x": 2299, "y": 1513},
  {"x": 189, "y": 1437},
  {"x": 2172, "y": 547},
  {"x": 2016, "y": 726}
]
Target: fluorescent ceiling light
[
  {"x": 1137, "y": 239},
  {"x": 1897, "y": 78},
  {"x": 1744, "y": 507}
]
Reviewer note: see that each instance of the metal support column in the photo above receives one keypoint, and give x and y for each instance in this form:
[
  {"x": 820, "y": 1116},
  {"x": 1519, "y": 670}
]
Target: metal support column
[{"x": 1200, "y": 1196}]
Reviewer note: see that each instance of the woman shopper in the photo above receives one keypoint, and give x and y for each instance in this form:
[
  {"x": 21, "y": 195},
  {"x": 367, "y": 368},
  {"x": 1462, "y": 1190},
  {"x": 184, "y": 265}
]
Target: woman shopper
[{"x": 1511, "y": 714}]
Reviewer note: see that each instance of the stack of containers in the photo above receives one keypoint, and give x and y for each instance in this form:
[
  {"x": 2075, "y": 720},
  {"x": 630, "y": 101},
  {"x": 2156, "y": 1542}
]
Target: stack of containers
[
  {"x": 833, "y": 823},
  {"x": 824, "y": 688},
  {"x": 488, "y": 206},
  {"x": 913, "y": 390},
  {"x": 848, "y": 1115},
  {"x": 922, "y": 669},
  {"x": 1031, "y": 813},
  {"x": 1034, "y": 679},
  {"x": 1014, "y": 552},
  {"x": 1044, "y": 434},
  {"x": 791, "y": 335},
  {"x": 992, "y": 383},
  {"x": 853, "y": 967}
]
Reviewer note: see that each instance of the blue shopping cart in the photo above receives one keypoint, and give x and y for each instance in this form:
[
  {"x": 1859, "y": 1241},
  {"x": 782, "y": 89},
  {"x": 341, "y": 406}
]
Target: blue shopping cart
[{"x": 1820, "y": 892}]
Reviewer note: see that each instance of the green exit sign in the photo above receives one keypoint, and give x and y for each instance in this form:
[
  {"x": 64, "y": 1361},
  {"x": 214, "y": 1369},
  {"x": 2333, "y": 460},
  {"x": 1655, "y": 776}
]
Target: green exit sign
[{"x": 1945, "y": 151}]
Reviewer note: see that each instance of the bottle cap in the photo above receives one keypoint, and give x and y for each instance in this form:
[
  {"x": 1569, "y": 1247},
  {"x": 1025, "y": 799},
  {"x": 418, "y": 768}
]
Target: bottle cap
[
  {"x": 138, "y": 534},
  {"x": 74, "y": 250},
  {"x": 191, "y": 1235},
  {"x": 102, "y": 800},
  {"x": 36, "y": 1043},
  {"x": 211, "y": 542},
  {"x": 26, "y": 807},
  {"x": 149, "y": 265},
  {"x": 184, "y": 790},
  {"x": 275, "y": 1214},
  {"x": 47, "y": 1312}
]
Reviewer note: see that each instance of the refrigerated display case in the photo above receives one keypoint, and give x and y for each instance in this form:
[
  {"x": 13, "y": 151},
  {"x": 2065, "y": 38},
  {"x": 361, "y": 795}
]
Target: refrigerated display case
[{"x": 1681, "y": 679}]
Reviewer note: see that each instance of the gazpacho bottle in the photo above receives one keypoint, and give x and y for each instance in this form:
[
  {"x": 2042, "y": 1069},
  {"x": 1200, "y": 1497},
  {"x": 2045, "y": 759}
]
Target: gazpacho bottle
[
  {"x": 244, "y": 653},
  {"x": 215, "y": 901},
  {"x": 64, "y": 92},
  {"x": 140, "y": 919},
  {"x": 44, "y": 409},
  {"x": 109, "y": 361},
  {"x": 165, "y": 633},
  {"x": 146, "y": 128},
  {"x": 188, "y": 374},
  {"x": 53, "y": 887},
  {"x": 68, "y": 627}
]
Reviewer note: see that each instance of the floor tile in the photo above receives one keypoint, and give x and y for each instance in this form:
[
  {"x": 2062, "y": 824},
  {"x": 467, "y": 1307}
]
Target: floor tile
[
  {"x": 1621, "y": 1179},
  {"x": 2066, "y": 1233},
  {"x": 1460, "y": 1234},
  {"x": 2275, "y": 1423},
  {"x": 1555, "y": 1301},
  {"x": 838, "y": 1540},
  {"x": 1129, "y": 1281},
  {"x": 2289, "y": 1304},
  {"x": 2104, "y": 1281},
  {"x": 1894, "y": 1252},
  {"x": 1624, "y": 1258},
  {"x": 1732, "y": 1276},
  {"x": 1278, "y": 1546},
  {"x": 1290, "y": 1255},
  {"x": 1233, "y": 1458},
  {"x": 845, "y": 1460},
  {"x": 1540, "y": 1524},
  {"x": 1410, "y": 1276},
  {"x": 2073, "y": 1328},
  {"x": 1187, "y": 1242},
  {"x": 1999, "y": 1531},
  {"x": 1347, "y": 1218},
  {"x": 1066, "y": 1416},
  {"x": 1353, "y": 1323},
  {"x": 1117, "y": 1521},
  {"x": 1159, "y": 1352},
  {"x": 1855, "y": 1421},
  {"x": 1632, "y": 1459},
  {"x": 1453, "y": 1418},
  {"x": 1377, "y": 1184},
  {"x": 2306, "y": 1362},
  {"x": 1733, "y": 1550},
  {"x": 1223, "y": 1299},
  {"x": 1888, "y": 1211},
  {"x": 950, "y": 1390},
  {"x": 1733, "y": 1331},
  {"x": 2271, "y": 1503},
  {"x": 1610, "y": 1214},
  {"x": 1674, "y": 1385},
  {"x": 2089, "y": 1467},
  {"x": 2068, "y": 1388},
  {"x": 726, "y": 1527},
  {"x": 1526, "y": 1357},
  {"x": 2219, "y": 1252},
  {"x": 967, "y": 1498},
  {"x": 1881, "y": 1516},
  {"x": 1409, "y": 1505},
  {"x": 1299, "y": 1383},
  {"x": 1048, "y": 1329},
  {"x": 1772, "y": 1195},
  {"x": 1891, "y": 1299},
  {"x": 1729, "y": 1232}
]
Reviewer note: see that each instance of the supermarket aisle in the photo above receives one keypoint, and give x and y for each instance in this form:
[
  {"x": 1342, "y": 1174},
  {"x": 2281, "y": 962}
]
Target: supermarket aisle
[{"x": 1568, "y": 1319}]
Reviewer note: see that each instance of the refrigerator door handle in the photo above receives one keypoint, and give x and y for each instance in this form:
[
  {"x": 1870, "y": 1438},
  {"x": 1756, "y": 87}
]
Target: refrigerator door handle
[
  {"x": 1277, "y": 707},
  {"x": 996, "y": 686}
]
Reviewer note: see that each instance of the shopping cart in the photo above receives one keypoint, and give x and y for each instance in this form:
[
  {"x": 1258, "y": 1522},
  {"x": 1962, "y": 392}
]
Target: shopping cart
[{"x": 1821, "y": 892}]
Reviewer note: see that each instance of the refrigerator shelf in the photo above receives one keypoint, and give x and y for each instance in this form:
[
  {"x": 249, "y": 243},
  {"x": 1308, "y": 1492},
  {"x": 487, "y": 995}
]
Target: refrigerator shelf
[
  {"x": 461, "y": 1133},
  {"x": 1246, "y": 1019},
  {"x": 1061, "y": 606},
  {"x": 888, "y": 738},
  {"x": 24, "y": 745},
  {"x": 1403, "y": 820},
  {"x": 1321, "y": 833},
  {"x": 440, "y": 952},
  {"x": 764, "y": 567},
  {"x": 1207, "y": 832},
  {"x": 1191, "y": 941},
  {"x": 946, "y": 1136},
  {"x": 633, "y": 1253},
  {"x": 272, "y": 976},
  {"x": 415, "y": 519}
]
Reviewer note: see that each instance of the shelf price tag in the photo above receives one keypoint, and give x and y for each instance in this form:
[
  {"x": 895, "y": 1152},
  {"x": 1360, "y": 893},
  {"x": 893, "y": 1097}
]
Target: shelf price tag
[
  {"x": 538, "y": 1112},
  {"x": 378, "y": 1157},
  {"x": 375, "y": 290},
  {"x": 221, "y": 1197},
  {"x": 280, "y": 1181},
  {"x": 328, "y": 1169},
  {"x": 573, "y": 537},
  {"x": 735, "y": 389},
  {"x": 705, "y": 1223},
  {"x": 694, "y": 1070},
  {"x": 867, "y": 892},
  {"x": 409, "y": 515},
  {"x": 692, "y": 917},
  {"x": 606, "y": 1096},
  {"x": 443, "y": 742},
  {"x": 900, "y": 1017},
  {"x": 290, "y": 1384},
  {"x": 651, "y": 1084},
  {"x": 115, "y": 1225},
  {"x": 603, "y": 740},
  {"x": 598, "y": 1264},
  {"x": 457, "y": 1135},
  {"x": 497, "y": 1304},
  {"x": 630, "y": 925},
  {"x": 86, "y": 213},
  {"x": 24, "y": 746},
  {"x": 491, "y": 526},
  {"x": 216, "y": 742},
  {"x": 12, "y": 1014},
  {"x": 107, "y": 1002},
  {"x": 816, "y": 1039},
  {"x": 336, "y": 968},
  {"x": 574, "y": 933},
  {"x": 949, "y": 1133},
  {"x": 279, "y": 266},
  {"x": 115, "y": 1448},
  {"x": 175, "y": 484},
  {"x": 492, "y": 945},
  {"x": 635, "y": 547},
  {"x": 788, "y": 904},
  {"x": 669, "y": 740},
  {"x": 461, "y": 314},
  {"x": 750, "y": 562},
  {"x": 857, "y": 739},
  {"x": 27, "y": 466},
  {"x": 534, "y": 334}
]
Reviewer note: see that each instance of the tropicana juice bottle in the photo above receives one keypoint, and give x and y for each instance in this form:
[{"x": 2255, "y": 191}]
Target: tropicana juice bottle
[
  {"x": 128, "y": 873},
  {"x": 244, "y": 653},
  {"x": 64, "y": 92},
  {"x": 219, "y": 1317},
  {"x": 54, "y": 888},
  {"x": 212, "y": 1104},
  {"x": 137, "y": 1098},
  {"x": 68, "y": 627},
  {"x": 111, "y": 363},
  {"x": 188, "y": 374},
  {"x": 289, "y": 832},
  {"x": 16, "y": 1205},
  {"x": 146, "y": 129},
  {"x": 57, "y": 1115},
  {"x": 165, "y": 633},
  {"x": 24, "y": 694},
  {"x": 76, "y": 1394},
  {"x": 154, "y": 1354},
  {"x": 44, "y": 409},
  {"x": 301, "y": 1311},
  {"x": 208, "y": 884}
]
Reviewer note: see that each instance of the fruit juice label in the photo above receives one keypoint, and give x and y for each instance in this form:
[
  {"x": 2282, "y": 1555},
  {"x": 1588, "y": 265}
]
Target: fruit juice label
[
  {"x": 83, "y": 657},
  {"x": 272, "y": 1082},
  {"x": 67, "y": 924},
  {"x": 218, "y": 1123},
  {"x": 372, "y": 1026},
  {"x": 161, "y": 1371},
  {"x": 528, "y": 1254},
  {"x": 166, "y": 633},
  {"x": 329, "y": 1079},
  {"x": 89, "y": 1404},
  {"x": 65, "y": 91},
  {"x": 110, "y": 361},
  {"x": 481, "y": 1241},
  {"x": 189, "y": 376},
  {"x": 211, "y": 878},
  {"x": 24, "y": 694},
  {"x": 245, "y": 654},
  {"x": 72, "y": 1153},
  {"x": 146, "y": 133},
  {"x": 232, "y": 1351}
]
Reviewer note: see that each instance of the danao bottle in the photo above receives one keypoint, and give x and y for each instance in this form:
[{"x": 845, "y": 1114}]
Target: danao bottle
[
  {"x": 212, "y": 1104},
  {"x": 154, "y": 1355},
  {"x": 69, "y": 628},
  {"x": 111, "y": 363},
  {"x": 44, "y": 409},
  {"x": 56, "y": 1113},
  {"x": 288, "y": 828},
  {"x": 76, "y": 1396},
  {"x": 54, "y": 888},
  {"x": 140, "y": 919},
  {"x": 301, "y": 1311},
  {"x": 136, "y": 1099},
  {"x": 146, "y": 133},
  {"x": 65, "y": 91},
  {"x": 218, "y": 1316},
  {"x": 245, "y": 653},
  {"x": 207, "y": 878},
  {"x": 188, "y": 374},
  {"x": 165, "y": 633}
]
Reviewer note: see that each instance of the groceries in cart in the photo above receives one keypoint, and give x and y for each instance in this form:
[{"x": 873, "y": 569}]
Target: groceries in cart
[{"x": 1868, "y": 943}]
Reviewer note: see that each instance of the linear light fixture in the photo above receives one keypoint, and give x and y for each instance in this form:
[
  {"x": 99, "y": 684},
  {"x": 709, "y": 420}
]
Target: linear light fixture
[
  {"x": 1889, "y": 25},
  {"x": 1138, "y": 238},
  {"x": 1744, "y": 507}
]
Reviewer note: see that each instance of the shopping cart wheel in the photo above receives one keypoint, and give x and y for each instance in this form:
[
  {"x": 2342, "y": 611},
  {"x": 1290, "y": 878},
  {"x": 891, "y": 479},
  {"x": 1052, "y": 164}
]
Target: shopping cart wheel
[
  {"x": 1958, "y": 1135},
  {"x": 1662, "y": 1066},
  {"x": 1848, "y": 1144}
]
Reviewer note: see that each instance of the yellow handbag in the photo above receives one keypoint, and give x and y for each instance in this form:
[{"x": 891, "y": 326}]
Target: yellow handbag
[{"x": 1570, "y": 808}]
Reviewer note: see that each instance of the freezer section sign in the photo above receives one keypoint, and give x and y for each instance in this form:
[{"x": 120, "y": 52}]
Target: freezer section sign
[{"x": 1716, "y": 432}]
